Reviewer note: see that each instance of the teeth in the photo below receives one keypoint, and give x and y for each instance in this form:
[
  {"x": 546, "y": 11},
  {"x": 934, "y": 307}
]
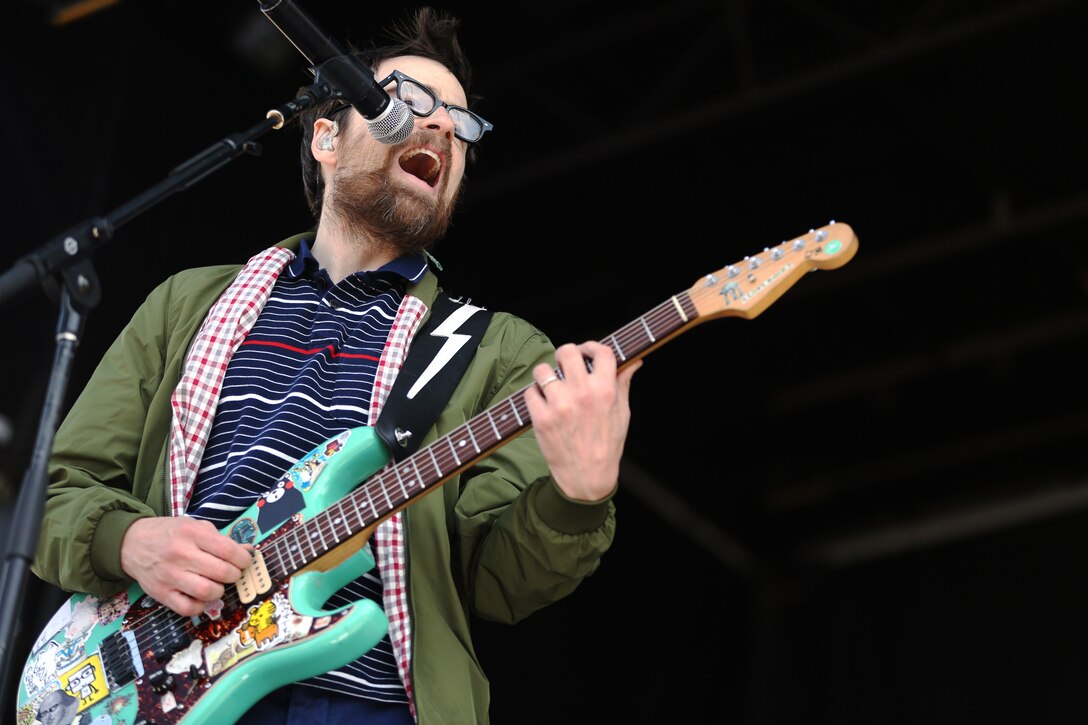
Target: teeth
[
  {"x": 417, "y": 151},
  {"x": 427, "y": 152}
]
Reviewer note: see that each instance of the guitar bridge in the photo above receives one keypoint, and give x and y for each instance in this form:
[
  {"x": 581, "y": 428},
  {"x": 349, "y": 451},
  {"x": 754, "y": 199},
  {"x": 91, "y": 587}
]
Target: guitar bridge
[{"x": 121, "y": 659}]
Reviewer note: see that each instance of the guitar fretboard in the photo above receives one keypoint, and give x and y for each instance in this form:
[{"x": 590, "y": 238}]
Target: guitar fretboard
[{"x": 397, "y": 484}]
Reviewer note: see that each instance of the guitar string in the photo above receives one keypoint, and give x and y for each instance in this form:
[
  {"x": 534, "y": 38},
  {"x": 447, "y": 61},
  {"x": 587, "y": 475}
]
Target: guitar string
[
  {"x": 442, "y": 460},
  {"x": 623, "y": 342},
  {"x": 619, "y": 340},
  {"x": 274, "y": 552},
  {"x": 381, "y": 483}
]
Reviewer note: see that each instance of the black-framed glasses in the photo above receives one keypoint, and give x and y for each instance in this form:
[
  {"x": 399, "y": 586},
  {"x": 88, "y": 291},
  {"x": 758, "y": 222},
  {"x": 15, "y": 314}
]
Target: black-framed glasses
[{"x": 422, "y": 101}]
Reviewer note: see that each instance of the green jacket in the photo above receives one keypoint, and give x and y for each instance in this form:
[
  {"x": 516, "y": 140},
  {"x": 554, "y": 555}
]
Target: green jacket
[{"x": 515, "y": 542}]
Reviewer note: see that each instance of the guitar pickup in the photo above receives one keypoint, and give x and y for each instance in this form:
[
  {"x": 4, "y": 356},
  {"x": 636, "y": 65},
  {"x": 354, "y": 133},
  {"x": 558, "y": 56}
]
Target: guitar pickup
[{"x": 255, "y": 579}]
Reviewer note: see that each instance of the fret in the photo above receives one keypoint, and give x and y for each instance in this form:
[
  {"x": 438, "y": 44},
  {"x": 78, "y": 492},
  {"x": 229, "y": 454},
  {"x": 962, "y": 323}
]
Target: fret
[
  {"x": 287, "y": 552},
  {"x": 270, "y": 561},
  {"x": 689, "y": 304},
  {"x": 298, "y": 546},
  {"x": 310, "y": 540},
  {"x": 679, "y": 309},
  {"x": 617, "y": 349},
  {"x": 400, "y": 481},
  {"x": 342, "y": 517},
  {"x": 273, "y": 560},
  {"x": 370, "y": 500},
  {"x": 494, "y": 427},
  {"x": 358, "y": 506},
  {"x": 468, "y": 429},
  {"x": 434, "y": 462},
  {"x": 453, "y": 450},
  {"x": 382, "y": 487},
  {"x": 326, "y": 519},
  {"x": 419, "y": 476},
  {"x": 649, "y": 332},
  {"x": 514, "y": 407},
  {"x": 504, "y": 418}
]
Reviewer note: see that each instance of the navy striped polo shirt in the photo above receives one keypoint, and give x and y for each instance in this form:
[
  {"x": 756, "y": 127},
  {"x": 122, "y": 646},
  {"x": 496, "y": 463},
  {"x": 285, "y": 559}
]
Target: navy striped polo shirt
[{"x": 304, "y": 374}]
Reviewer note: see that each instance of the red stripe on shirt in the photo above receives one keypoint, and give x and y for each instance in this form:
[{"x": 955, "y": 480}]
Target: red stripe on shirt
[{"x": 311, "y": 351}]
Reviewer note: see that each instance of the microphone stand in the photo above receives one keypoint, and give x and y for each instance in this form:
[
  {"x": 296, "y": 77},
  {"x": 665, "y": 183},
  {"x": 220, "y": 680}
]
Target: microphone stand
[{"x": 64, "y": 268}]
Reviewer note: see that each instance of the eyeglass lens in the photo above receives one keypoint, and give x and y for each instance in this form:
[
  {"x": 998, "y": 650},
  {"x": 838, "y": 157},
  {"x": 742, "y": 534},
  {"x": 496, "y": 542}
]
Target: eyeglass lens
[{"x": 423, "y": 102}]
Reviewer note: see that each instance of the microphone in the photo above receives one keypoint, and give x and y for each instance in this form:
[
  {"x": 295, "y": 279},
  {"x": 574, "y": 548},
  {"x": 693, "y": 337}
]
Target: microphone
[{"x": 389, "y": 119}]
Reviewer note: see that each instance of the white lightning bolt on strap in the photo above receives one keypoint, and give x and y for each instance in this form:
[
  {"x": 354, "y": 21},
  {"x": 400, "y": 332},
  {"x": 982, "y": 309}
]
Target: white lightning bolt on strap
[{"x": 454, "y": 342}]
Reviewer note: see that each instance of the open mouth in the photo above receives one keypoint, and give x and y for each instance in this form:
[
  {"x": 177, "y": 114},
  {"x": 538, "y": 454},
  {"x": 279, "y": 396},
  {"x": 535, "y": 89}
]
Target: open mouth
[{"x": 422, "y": 164}]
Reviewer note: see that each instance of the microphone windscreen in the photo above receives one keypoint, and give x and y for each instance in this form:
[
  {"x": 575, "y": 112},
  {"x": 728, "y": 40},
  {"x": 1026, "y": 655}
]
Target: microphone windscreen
[{"x": 394, "y": 125}]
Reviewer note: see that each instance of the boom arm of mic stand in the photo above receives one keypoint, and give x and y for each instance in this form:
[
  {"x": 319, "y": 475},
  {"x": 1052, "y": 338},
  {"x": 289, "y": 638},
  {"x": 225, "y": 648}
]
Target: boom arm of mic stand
[
  {"x": 63, "y": 265},
  {"x": 78, "y": 242}
]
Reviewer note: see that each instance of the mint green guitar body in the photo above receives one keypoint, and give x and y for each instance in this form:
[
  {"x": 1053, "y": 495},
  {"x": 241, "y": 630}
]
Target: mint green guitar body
[{"x": 127, "y": 658}]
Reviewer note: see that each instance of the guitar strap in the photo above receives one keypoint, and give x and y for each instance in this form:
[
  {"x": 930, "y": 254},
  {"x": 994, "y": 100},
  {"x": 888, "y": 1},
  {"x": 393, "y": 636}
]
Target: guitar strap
[{"x": 436, "y": 360}]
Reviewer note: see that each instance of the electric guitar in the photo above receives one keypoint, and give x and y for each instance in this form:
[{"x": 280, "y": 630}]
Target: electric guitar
[{"x": 127, "y": 658}]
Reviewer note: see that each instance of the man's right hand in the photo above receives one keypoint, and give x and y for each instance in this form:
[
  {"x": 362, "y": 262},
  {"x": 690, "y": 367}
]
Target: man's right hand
[{"x": 182, "y": 562}]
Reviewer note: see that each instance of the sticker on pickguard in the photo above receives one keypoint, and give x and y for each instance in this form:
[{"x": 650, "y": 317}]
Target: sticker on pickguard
[
  {"x": 168, "y": 702},
  {"x": 214, "y": 609},
  {"x": 112, "y": 608},
  {"x": 186, "y": 658},
  {"x": 86, "y": 682},
  {"x": 57, "y": 707},
  {"x": 83, "y": 621},
  {"x": 244, "y": 531},
  {"x": 262, "y": 629},
  {"x": 277, "y": 505},
  {"x": 297, "y": 626},
  {"x": 41, "y": 670},
  {"x": 224, "y": 653},
  {"x": 117, "y": 705},
  {"x": 305, "y": 472},
  {"x": 285, "y": 498}
]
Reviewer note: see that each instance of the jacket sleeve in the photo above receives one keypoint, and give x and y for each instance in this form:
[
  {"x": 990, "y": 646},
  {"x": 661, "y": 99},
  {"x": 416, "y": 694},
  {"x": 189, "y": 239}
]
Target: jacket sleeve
[
  {"x": 93, "y": 496},
  {"x": 522, "y": 543}
]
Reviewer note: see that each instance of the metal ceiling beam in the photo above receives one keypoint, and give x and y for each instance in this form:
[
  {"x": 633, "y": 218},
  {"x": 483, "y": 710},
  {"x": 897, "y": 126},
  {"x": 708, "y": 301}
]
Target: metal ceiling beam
[
  {"x": 949, "y": 525},
  {"x": 702, "y": 532},
  {"x": 729, "y": 105}
]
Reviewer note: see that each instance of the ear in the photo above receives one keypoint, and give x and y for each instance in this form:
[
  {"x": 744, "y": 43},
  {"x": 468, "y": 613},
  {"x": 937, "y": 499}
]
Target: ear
[{"x": 324, "y": 131}]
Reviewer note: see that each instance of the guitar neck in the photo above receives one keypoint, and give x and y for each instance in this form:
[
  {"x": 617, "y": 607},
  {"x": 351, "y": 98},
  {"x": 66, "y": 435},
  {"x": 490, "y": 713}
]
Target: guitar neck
[
  {"x": 742, "y": 289},
  {"x": 396, "y": 485}
]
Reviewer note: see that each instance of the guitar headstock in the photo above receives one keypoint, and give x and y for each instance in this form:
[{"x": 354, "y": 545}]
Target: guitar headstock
[{"x": 749, "y": 286}]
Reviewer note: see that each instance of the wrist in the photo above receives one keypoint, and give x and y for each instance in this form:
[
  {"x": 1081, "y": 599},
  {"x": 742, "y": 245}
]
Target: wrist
[
  {"x": 107, "y": 543},
  {"x": 569, "y": 515}
]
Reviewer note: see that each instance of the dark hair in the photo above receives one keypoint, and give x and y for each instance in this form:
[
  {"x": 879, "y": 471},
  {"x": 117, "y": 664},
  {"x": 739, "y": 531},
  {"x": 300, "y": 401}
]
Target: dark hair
[{"x": 425, "y": 32}]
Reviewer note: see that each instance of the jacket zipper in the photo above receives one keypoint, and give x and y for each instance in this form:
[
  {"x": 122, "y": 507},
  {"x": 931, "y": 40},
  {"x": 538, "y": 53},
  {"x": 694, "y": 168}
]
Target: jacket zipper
[{"x": 412, "y": 696}]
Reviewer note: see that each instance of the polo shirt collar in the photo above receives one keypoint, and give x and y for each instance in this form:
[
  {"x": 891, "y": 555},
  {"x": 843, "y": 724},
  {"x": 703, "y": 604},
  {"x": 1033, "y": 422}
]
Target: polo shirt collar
[{"x": 411, "y": 267}]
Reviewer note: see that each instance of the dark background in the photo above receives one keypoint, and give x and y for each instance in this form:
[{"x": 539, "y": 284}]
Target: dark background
[{"x": 867, "y": 505}]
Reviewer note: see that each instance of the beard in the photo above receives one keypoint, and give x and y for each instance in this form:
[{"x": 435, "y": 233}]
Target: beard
[{"x": 368, "y": 206}]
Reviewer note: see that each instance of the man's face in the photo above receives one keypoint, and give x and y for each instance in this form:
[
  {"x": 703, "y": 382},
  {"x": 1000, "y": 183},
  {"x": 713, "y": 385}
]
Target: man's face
[
  {"x": 404, "y": 191},
  {"x": 433, "y": 134}
]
